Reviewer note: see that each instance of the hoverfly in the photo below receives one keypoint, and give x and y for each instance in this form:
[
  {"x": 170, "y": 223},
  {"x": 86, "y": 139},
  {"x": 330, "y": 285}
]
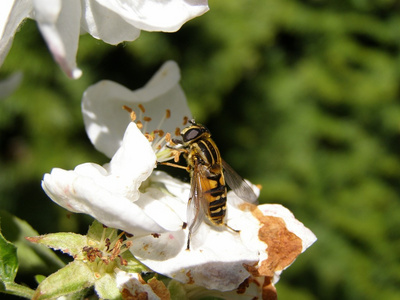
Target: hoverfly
[{"x": 208, "y": 172}]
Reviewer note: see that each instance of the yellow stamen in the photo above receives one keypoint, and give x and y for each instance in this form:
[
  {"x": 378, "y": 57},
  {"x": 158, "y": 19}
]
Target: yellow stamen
[
  {"x": 149, "y": 137},
  {"x": 168, "y": 137},
  {"x": 176, "y": 154},
  {"x": 131, "y": 112},
  {"x": 141, "y": 107}
]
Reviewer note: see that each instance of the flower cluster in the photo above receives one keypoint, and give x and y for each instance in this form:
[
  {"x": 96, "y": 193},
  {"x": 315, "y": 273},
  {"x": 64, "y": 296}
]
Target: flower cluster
[
  {"x": 128, "y": 194},
  {"x": 150, "y": 258}
]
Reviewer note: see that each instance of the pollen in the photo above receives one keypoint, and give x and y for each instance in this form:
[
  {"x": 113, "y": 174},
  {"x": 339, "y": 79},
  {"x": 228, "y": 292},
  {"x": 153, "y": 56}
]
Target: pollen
[
  {"x": 149, "y": 137},
  {"x": 176, "y": 154},
  {"x": 131, "y": 112},
  {"x": 141, "y": 107},
  {"x": 161, "y": 142},
  {"x": 185, "y": 120},
  {"x": 106, "y": 255}
]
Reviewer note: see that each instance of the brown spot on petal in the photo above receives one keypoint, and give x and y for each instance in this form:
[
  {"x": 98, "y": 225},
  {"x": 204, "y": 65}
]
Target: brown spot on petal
[
  {"x": 253, "y": 208},
  {"x": 253, "y": 270},
  {"x": 243, "y": 286},
  {"x": 159, "y": 289},
  {"x": 189, "y": 275},
  {"x": 127, "y": 295},
  {"x": 283, "y": 245},
  {"x": 269, "y": 291}
]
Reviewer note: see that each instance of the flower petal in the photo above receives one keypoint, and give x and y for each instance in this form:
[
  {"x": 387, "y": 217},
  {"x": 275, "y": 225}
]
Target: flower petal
[
  {"x": 82, "y": 195},
  {"x": 113, "y": 31},
  {"x": 109, "y": 193},
  {"x": 12, "y": 13},
  {"x": 280, "y": 239},
  {"x": 59, "y": 23},
  {"x": 292, "y": 224},
  {"x": 221, "y": 259},
  {"x": 215, "y": 259},
  {"x": 132, "y": 163},
  {"x": 131, "y": 285},
  {"x": 105, "y": 120},
  {"x": 153, "y": 15}
]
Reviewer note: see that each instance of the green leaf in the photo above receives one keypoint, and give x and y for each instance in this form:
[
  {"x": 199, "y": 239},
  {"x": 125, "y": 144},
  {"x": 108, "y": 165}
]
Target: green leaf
[
  {"x": 40, "y": 278},
  {"x": 8, "y": 260},
  {"x": 8, "y": 270},
  {"x": 71, "y": 279},
  {"x": 69, "y": 243},
  {"x": 30, "y": 256},
  {"x": 17, "y": 290}
]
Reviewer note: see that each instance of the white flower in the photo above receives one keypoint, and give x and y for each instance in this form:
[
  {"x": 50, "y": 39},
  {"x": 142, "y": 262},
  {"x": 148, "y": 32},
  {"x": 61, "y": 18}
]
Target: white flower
[
  {"x": 128, "y": 195},
  {"x": 112, "y": 21},
  {"x": 110, "y": 193},
  {"x": 106, "y": 122},
  {"x": 269, "y": 240}
]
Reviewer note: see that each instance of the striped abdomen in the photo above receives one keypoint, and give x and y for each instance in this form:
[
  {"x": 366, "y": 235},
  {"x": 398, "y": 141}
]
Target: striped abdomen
[
  {"x": 216, "y": 197},
  {"x": 213, "y": 183}
]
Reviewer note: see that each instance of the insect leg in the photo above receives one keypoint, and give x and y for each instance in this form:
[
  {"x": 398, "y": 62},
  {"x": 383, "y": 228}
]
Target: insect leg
[
  {"x": 188, "y": 241},
  {"x": 233, "y": 229},
  {"x": 173, "y": 165}
]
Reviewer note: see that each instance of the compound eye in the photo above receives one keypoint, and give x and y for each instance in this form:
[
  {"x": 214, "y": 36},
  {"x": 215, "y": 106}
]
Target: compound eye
[{"x": 191, "y": 134}]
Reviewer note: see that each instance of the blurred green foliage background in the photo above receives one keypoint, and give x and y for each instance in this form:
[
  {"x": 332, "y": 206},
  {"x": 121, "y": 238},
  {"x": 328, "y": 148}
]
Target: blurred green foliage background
[{"x": 303, "y": 98}]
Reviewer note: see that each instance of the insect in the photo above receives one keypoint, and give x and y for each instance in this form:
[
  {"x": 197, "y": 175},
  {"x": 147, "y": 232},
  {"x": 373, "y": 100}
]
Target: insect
[{"x": 208, "y": 172}]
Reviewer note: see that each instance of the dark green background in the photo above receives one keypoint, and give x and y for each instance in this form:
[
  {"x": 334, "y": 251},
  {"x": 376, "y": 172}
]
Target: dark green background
[{"x": 301, "y": 96}]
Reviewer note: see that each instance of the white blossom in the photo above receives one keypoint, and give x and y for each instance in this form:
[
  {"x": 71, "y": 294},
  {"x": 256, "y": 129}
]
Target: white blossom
[
  {"x": 61, "y": 22},
  {"x": 110, "y": 193},
  {"x": 106, "y": 121},
  {"x": 260, "y": 242},
  {"x": 217, "y": 255}
]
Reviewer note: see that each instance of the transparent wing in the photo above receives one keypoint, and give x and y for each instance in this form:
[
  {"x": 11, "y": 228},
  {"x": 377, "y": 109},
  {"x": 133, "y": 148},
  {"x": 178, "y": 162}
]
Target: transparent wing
[
  {"x": 238, "y": 185},
  {"x": 197, "y": 204}
]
